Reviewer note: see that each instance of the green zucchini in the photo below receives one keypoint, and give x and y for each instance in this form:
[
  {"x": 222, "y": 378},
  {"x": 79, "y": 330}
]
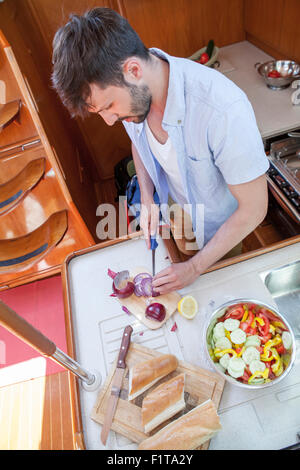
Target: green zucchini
[{"x": 210, "y": 48}]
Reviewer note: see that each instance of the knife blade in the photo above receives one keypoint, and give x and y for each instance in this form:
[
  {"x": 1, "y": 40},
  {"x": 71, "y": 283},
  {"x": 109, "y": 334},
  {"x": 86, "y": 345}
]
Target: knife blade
[
  {"x": 153, "y": 246},
  {"x": 116, "y": 384}
]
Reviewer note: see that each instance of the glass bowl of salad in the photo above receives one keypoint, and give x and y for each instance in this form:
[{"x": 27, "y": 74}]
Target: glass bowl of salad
[{"x": 250, "y": 343}]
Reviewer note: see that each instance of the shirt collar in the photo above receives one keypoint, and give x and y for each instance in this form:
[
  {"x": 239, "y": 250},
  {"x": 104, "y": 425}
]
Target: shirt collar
[{"x": 175, "y": 105}]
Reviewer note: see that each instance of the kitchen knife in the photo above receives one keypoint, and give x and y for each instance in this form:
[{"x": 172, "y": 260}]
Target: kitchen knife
[
  {"x": 153, "y": 246},
  {"x": 116, "y": 384}
]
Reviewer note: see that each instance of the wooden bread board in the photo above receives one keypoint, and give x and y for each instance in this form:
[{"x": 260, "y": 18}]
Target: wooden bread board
[
  {"x": 137, "y": 305},
  {"x": 200, "y": 385}
]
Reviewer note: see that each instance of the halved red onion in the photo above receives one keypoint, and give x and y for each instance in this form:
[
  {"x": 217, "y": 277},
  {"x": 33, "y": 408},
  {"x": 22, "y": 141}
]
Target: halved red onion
[
  {"x": 138, "y": 278},
  {"x": 143, "y": 285},
  {"x": 156, "y": 311},
  {"x": 146, "y": 286},
  {"x": 138, "y": 290},
  {"x": 122, "y": 286}
]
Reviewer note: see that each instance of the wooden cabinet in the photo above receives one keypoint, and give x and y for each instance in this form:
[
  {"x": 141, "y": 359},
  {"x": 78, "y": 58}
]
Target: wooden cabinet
[
  {"x": 39, "y": 223},
  {"x": 273, "y": 25}
]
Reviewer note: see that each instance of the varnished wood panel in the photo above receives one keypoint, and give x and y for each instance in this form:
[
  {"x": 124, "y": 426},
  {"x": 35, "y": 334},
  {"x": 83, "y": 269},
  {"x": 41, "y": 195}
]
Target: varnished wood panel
[
  {"x": 273, "y": 25},
  {"x": 181, "y": 27},
  {"x": 36, "y": 414},
  {"x": 263, "y": 19}
]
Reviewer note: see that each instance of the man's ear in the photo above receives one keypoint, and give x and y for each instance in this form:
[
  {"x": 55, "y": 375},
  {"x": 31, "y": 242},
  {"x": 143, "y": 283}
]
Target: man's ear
[{"x": 132, "y": 70}]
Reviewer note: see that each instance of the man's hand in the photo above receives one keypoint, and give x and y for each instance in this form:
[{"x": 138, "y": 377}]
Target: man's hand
[
  {"x": 175, "y": 277},
  {"x": 149, "y": 220}
]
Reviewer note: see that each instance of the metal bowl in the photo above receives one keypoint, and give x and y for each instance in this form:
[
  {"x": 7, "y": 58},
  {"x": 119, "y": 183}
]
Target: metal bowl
[
  {"x": 209, "y": 329},
  {"x": 288, "y": 70}
]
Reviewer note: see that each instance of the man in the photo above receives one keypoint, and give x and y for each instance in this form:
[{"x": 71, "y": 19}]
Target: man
[{"x": 193, "y": 131}]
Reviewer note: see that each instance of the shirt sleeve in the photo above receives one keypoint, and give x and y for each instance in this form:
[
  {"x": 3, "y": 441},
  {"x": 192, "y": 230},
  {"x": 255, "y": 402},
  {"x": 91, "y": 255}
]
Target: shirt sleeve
[{"x": 236, "y": 144}]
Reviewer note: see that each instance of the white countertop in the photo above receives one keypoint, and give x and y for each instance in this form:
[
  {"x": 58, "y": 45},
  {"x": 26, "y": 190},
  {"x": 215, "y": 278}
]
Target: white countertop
[
  {"x": 258, "y": 419},
  {"x": 274, "y": 110}
]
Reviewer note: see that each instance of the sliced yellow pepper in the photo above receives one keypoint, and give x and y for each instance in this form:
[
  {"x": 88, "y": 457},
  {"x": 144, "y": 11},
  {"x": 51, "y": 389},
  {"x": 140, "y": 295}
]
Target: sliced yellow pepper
[
  {"x": 227, "y": 334},
  {"x": 272, "y": 342},
  {"x": 278, "y": 363},
  {"x": 272, "y": 329},
  {"x": 279, "y": 324},
  {"x": 259, "y": 373},
  {"x": 258, "y": 320},
  {"x": 245, "y": 316},
  {"x": 219, "y": 353}
]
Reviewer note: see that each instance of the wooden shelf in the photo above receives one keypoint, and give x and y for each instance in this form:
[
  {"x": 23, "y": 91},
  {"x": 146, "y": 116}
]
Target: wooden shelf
[
  {"x": 8, "y": 112},
  {"x": 19, "y": 253},
  {"x": 14, "y": 190}
]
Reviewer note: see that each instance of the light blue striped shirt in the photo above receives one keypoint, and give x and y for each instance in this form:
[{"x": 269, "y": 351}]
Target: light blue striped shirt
[{"x": 212, "y": 126}]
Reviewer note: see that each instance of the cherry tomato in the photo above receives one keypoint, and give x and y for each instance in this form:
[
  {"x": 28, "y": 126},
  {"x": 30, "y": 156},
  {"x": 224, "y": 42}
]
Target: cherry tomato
[
  {"x": 236, "y": 313},
  {"x": 280, "y": 349},
  {"x": 203, "y": 58},
  {"x": 274, "y": 74}
]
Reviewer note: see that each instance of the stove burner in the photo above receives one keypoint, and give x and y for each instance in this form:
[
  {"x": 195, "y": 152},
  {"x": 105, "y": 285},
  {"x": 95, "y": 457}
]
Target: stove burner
[{"x": 284, "y": 172}]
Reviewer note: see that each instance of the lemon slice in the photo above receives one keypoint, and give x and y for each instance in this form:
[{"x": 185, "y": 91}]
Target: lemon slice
[{"x": 187, "y": 306}]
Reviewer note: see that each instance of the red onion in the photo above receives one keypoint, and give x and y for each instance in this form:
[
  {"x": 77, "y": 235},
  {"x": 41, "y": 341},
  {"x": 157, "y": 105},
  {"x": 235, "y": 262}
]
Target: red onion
[
  {"x": 156, "y": 312},
  {"x": 143, "y": 285},
  {"x": 111, "y": 273},
  {"x": 122, "y": 287}
]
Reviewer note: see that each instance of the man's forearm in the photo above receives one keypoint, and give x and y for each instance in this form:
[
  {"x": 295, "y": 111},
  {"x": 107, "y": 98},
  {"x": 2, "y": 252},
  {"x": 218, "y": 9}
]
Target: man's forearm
[{"x": 235, "y": 229}]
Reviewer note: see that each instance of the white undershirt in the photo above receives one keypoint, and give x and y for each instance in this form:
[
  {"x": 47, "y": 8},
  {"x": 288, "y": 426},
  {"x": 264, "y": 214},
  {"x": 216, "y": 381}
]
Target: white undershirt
[{"x": 166, "y": 156}]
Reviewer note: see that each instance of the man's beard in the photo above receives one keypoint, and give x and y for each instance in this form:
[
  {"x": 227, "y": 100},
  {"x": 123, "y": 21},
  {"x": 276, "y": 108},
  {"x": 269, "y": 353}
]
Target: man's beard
[{"x": 140, "y": 104}]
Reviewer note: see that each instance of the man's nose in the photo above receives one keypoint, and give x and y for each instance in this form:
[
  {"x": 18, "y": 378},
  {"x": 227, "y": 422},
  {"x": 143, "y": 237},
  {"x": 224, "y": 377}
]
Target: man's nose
[{"x": 109, "y": 118}]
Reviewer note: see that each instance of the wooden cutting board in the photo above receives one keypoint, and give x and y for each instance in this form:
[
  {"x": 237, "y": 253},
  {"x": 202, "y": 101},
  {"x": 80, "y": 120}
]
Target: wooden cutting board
[
  {"x": 137, "y": 305},
  {"x": 200, "y": 385}
]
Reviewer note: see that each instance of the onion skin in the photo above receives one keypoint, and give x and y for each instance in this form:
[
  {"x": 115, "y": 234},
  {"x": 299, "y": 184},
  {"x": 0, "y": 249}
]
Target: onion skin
[
  {"x": 125, "y": 292},
  {"x": 122, "y": 292},
  {"x": 156, "y": 311}
]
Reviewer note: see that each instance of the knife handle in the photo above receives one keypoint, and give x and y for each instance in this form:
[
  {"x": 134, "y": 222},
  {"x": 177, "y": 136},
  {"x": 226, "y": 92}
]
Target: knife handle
[
  {"x": 124, "y": 347},
  {"x": 153, "y": 242}
]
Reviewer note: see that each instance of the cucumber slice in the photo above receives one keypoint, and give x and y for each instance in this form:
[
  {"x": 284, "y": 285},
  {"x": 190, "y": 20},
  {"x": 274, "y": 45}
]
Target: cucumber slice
[
  {"x": 220, "y": 367},
  {"x": 255, "y": 365},
  {"x": 219, "y": 330},
  {"x": 223, "y": 343},
  {"x": 235, "y": 374},
  {"x": 252, "y": 340},
  {"x": 236, "y": 364},
  {"x": 287, "y": 339},
  {"x": 251, "y": 354},
  {"x": 238, "y": 336},
  {"x": 224, "y": 360},
  {"x": 231, "y": 324}
]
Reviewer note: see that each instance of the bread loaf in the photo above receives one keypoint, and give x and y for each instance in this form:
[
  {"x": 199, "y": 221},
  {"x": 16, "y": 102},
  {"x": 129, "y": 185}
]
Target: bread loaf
[
  {"x": 163, "y": 402},
  {"x": 145, "y": 374},
  {"x": 187, "y": 432}
]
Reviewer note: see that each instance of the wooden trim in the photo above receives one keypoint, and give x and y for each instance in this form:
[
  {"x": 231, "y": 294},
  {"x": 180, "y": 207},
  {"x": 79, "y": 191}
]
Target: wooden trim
[{"x": 3, "y": 41}]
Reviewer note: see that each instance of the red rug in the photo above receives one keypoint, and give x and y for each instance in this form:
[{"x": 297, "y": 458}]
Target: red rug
[{"x": 41, "y": 304}]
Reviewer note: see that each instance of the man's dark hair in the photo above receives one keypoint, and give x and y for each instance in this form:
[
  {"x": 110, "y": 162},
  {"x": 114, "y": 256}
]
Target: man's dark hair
[{"x": 91, "y": 49}]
